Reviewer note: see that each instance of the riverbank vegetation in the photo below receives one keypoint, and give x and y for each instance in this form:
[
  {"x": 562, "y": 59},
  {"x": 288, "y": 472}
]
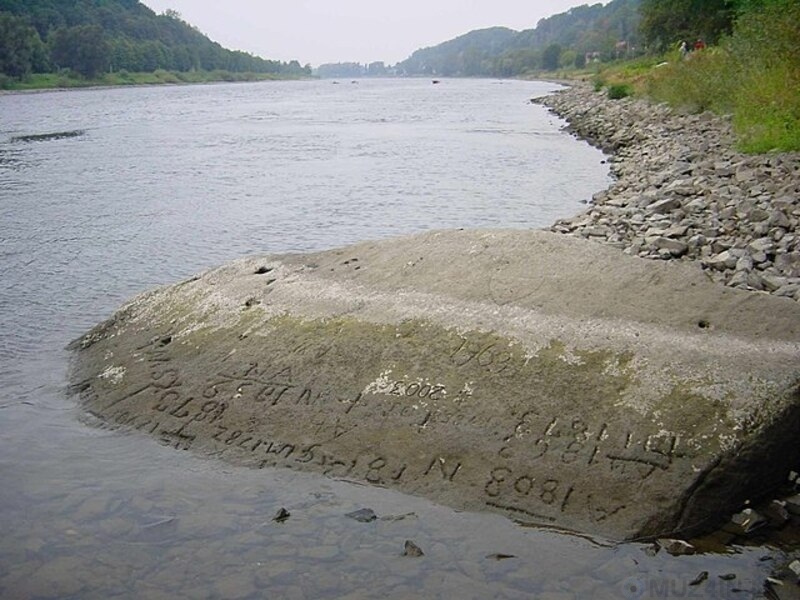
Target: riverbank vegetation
[
  {"x": 68, "y": 43},
  {"x": 752, "y": 74},
  {"x": 70, "y": 80}
]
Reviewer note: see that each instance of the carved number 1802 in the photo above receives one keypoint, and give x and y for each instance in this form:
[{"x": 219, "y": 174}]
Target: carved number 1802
[{"x": 419, "y": 390}]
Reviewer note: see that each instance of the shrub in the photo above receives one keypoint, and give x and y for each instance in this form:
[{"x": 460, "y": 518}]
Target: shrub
[
  {"x": 754, "y": 75},
  {"x": 764, "y": 48},
  {"x": 703, "y": 82},
  {"x": 166, "y": 76},
  {"x": 617, "y": 91},
  {"x": 768, "y": 111},
  {"x": 221, "y": 75}
]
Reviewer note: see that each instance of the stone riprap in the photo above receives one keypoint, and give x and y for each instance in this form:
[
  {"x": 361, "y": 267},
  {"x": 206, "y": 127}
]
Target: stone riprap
[
  {"x": 682, "y": 191},
  {"x": 543, "y": 376}
]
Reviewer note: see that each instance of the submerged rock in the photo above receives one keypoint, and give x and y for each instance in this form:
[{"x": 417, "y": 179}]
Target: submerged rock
[
  {"x": 45, "y": 137},
  {"x": 678, "y": 548},
  {"x": 412, "y": 550},
  {"x": 542, "y": 376},
  {"x": 363, "y": 515},
  {"x": 282, "y": 515},
  {"x": 745, "y": 522}
]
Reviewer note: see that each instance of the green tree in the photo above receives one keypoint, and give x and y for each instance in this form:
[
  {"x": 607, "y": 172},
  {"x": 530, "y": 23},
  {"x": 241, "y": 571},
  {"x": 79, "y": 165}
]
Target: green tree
[
  {"x": 665, "y": 22},
  {"x": 551, "y": 57},
  {"x": 134, "y": 38},
  {"x": 567, "y": 58},
  {"x": 83, "y": 48},
  {"x": 21, "y": 48}
]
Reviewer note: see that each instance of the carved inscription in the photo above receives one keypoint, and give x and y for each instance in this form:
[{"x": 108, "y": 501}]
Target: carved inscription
[
  {"x": 560, "y": 444},
  {"x": 571, "y": 440},
  {"x": 525, "y": 459},
  {"x": 488, "y": 357}
]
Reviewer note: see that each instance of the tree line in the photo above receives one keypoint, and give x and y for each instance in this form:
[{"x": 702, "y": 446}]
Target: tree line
[
  {"x": 90, "y": 37},
  {"x": 569, "y": 39},
  {"x": 621, "y": 29}
]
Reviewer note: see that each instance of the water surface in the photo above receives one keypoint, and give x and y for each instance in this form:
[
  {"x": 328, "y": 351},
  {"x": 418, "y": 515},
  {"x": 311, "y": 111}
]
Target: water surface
[{"x": 152, "y": 185}]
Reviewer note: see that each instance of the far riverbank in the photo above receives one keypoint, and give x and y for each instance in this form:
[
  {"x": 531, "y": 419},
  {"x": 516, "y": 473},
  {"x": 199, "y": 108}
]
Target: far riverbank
[
  {"x": 683, "y": 192},
  {"x": 46, "y": 82}
]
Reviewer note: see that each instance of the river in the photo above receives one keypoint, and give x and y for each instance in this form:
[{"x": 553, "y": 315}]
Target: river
[{"x": 107, "y": 193}]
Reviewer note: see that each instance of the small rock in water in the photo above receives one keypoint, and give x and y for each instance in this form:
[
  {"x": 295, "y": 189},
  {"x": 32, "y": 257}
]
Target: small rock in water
[
  {"x": 398, "y": 517},
  {"x": 745, "y": 522},
  {"x": 500, "y": 556},
  {"x": 793, "y": 504},
  {"x": 281, "y": 515},
  {"x": 651, "y": 550},
  {"x": 158, "y": 530},
  {"x": 794, "y": 567},
  {"x": 363, "y": 515},
  {"x": 701, "y": 577},
  {"x": 411, "y": 549},
  {"x": 776, "y": 513},
  {"x": 728, "y": 576},
  {"x": 677, "y": 547}
]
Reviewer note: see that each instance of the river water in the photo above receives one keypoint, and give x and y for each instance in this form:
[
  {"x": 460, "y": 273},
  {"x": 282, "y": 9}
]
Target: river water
[{"x": 147, "y": 186}]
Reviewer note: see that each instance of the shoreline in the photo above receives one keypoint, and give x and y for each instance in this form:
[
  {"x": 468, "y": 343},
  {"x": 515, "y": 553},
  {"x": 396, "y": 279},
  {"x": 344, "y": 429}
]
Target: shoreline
[
  {"x": 144, "y": 84},
  {"x": 682, "y": 191}
]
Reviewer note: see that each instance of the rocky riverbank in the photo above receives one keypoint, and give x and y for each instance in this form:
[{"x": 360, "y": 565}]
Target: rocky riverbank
[{"x": 683, "y": 192}]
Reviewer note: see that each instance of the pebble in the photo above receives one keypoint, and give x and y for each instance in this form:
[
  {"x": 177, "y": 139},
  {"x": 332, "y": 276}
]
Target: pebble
[
  {"x": 282, "y": 515},
  {"x": 411, "y": 549},
  {"x": 677, "y": 547},
  {"x": 745, "y": 522},
  {"x": 363, "y": 515},
  {"x": 793, "y": 504},
  {"x": 701, "y": 577}
]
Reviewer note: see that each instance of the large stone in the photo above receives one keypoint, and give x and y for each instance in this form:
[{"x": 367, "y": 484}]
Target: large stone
[
  {"x": 549, "y": 378},
  {"x": 723, "y": 260},
  {"x": 675, "y": 247}
]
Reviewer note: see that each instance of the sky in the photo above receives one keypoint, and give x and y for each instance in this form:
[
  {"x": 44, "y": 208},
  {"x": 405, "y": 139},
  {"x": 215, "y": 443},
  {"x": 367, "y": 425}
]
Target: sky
[{"x": 324, "y": 31}]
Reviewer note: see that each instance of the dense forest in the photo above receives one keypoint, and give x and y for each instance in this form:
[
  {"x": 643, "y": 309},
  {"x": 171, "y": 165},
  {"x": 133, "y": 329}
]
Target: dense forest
[
  {"x": 584, "y": 33},
  {"x": 622, "y": 29},
  {"x": 90, "y": 37}
]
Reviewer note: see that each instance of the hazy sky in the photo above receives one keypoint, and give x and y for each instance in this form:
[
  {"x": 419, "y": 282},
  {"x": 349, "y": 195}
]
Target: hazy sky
[{"x": 320, "y": 31}]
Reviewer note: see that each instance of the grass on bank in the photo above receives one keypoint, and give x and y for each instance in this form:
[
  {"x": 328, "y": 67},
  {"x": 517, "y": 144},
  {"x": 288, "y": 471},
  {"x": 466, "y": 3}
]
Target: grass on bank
[
  {"x": 754, "y": 75},
  {"x": 45, "y": 81}
]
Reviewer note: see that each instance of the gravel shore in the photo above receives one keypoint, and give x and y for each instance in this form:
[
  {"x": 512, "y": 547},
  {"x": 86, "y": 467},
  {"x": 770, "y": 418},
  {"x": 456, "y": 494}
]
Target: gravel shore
[{"x": 683, "y": 192}]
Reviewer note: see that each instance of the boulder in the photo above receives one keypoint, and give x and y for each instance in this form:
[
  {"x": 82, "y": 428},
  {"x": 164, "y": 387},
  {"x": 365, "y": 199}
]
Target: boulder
[{"x": 546, "y": 377}]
